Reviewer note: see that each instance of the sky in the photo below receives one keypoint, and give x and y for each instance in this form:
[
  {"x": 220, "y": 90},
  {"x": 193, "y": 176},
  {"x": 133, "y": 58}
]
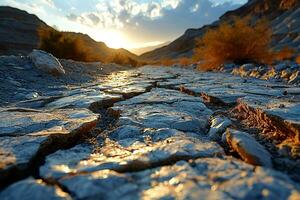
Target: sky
[{"x": 127, "y": 23}]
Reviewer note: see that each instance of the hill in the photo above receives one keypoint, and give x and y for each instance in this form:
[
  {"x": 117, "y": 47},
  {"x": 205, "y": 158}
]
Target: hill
[
  {"x": 19, "y": 35},
  {"x": 283, "y": 15},
  {"x": 140, "y": 51}
]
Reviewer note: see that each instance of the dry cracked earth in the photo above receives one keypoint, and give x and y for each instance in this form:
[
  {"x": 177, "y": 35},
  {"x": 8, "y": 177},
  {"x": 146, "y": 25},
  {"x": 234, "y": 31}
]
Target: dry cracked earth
[{"x": 154, "y": 133}]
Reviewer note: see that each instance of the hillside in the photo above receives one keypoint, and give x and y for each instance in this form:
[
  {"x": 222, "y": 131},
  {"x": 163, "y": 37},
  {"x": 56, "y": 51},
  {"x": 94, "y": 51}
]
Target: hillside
[
  {"x": 140, "y": 51},
  {"x": 104, "y": 51},
  {"x": 283, "y": 16},
  {"x": 19, "y": 35}
]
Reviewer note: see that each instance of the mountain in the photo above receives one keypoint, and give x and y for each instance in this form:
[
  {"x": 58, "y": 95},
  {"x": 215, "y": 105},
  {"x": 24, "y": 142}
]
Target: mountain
[
  {"x": 99, "y": 49},
  {"x": 284, "y": 17},
  {"x": 139, "y": 51},
  {"x": 18, "y": 32},
  {"x": 19, "y": 35}
]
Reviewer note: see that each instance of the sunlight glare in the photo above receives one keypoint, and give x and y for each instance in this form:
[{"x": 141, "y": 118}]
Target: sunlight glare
[{"x": 112, "y": 39}]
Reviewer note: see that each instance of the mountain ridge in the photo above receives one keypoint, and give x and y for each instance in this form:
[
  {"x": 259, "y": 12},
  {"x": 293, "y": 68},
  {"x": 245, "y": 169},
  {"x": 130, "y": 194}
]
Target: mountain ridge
[
  {"x": 281, "y": 15},
  {"x": 19, "y": 35}
]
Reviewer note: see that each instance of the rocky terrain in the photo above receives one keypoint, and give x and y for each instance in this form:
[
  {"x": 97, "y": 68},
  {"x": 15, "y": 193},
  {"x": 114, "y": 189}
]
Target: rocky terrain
[
  {"x": 286, "y": 71},
  {"x": 144, "y": 133},
  {"x": 283, "y": 16}
]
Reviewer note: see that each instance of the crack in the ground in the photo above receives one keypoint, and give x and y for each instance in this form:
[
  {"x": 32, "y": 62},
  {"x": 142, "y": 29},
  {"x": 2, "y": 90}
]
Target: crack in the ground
[
  {"x": 57, "y": 142},
  {"x": 263, "y": 127},
  {"x": 138, "y": 166},
  {"x": 107, "y": 122}
]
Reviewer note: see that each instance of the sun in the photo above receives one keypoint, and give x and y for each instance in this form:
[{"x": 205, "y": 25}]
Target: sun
[{"x": 113, "y": 39}]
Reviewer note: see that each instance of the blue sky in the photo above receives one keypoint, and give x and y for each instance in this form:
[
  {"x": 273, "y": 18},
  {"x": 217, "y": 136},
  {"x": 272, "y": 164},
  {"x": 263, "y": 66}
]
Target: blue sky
[{"x": 127, "y": 23}]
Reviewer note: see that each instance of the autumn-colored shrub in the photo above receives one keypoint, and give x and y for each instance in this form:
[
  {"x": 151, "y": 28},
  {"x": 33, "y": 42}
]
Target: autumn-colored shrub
[
  {"x": 239, "y": 41},
  {"x": 184, "y": 61},
  {"x": 284, "y": 54},
  {"x": 69, "y": 46},
  {"x": 62, "y": 45},
  {"x": 287, "y": 4},
  {"x": 298, "y": 59},
  {"x": 121, "y": 59},
  {"x": 167, "y": 62}
]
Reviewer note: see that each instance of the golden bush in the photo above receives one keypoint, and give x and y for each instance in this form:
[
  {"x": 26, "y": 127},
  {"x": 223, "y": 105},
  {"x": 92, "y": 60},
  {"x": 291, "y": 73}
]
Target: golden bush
[
  {"x": 298, "y": 59},
  {"x": 167, "y": 62},
  {"x": 239, "y": 41},
  {"x": 285, "y": 53},
  {"x": 70, "y": 46},
  {"x": 184, "y": 61},
  {"x": 62, "y": 45}
]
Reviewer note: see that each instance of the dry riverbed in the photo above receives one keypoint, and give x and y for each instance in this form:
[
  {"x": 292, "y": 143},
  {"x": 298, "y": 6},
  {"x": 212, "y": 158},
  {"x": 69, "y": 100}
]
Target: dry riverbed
[{"x": 147, "y": 133}]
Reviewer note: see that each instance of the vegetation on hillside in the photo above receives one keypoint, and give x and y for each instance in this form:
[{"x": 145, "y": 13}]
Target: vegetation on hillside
[
  {"x": 62, "y": 45},
  {"x": 286, "y": 53},
  {"x": 68, "y": 46},
  {"x": 298, "y": 59},
  {"x": 239, "y": 42}
]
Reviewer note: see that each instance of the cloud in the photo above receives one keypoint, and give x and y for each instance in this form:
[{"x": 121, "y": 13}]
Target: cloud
[
  {"x": 154, "y": 20},
  {"x": 49, "y": 3},
  {"x": 31, "y": 7},
  {"x": 136, "y": 22}
]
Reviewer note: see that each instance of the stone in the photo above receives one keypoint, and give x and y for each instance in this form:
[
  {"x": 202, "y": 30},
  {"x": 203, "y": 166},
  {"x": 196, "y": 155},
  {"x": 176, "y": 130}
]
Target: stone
[
  {"x": 18, "y": 121},
  {"x": 129, "y": 154},
  {"x": 130, "y": 90},
  {"x": 32, "y": 95},
  {"x": 84, "y": 100},
  {"x": 285, "y": 74},
  {"x": 248, "y": 148},
  {"x": 294, "y": 78},
  {"x": 183, "y": 118},
  {"x": 17, "y": 152},
  {"x": 46, "y": 62},
  {"x": 163, "y": 108},
  {"x": 228, "y": 67},
  {"x": 31, "y": 189},
  {"x": 15, "y": 83},
  {"x": 218, "y": 126},
  {"x": 281, "y": 66},
  {"x": 159, "y": 95},
  {"x": 248, "y": 66},
  {"x": 26, "y": 134},
  {"x": 203, "y": 178}
]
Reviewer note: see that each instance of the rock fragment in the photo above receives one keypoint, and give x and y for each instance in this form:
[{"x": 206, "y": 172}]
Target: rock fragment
[
  {"x": 46, "y": 62},
  {"x": 203, "y": 178},
  {"x": 31, "y": 189},
  {"x": 133, "y": 152},
  {"x": 218, "y": 126},
  {"x": 295, "y": 78},
  {"x": 248, "y": 148}
]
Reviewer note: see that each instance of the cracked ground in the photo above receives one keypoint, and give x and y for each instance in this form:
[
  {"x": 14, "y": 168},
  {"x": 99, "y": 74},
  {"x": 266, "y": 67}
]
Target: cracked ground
[{"x": 154, "y": 133}]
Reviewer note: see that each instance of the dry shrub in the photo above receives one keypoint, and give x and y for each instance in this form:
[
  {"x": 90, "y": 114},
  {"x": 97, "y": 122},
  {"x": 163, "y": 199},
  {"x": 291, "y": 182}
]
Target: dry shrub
[
  {"x": 184, "y": 61},
  {"x": 298, "y": 59},
  {"x": 238, "y": 42},
  {"x": 69, "y": 46},
  {"x": 121, "y": 59},
  {"x": 167, "y": 62},
  {"x": 62, "y": 45},
  {"x": 284, "y": 54},
  {"x": 287, "y": 4}
]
